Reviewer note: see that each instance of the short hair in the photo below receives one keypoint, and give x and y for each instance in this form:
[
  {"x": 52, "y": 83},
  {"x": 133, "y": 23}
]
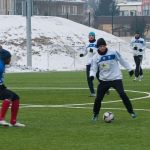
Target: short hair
[
  {"x": 4, "y": 54},
  {"x": 100, "y": 42}
]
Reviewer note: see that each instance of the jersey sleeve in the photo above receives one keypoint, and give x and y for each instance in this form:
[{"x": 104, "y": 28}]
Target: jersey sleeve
[
  {"x": 123, "y": 62},
  {"x": 94, "y": 67}
]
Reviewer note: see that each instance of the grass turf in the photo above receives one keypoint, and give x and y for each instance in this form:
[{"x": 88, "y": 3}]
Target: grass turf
[{"x": 72, "y": 128}]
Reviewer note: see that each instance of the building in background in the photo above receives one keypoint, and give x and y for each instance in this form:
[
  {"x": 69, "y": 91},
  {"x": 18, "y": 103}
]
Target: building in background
[
  {"x": 71, "y": 9},
  {"x": 7, "y": 7},
  {"x": 146, "y": 7},
  {"x": 130, "y": 8}
]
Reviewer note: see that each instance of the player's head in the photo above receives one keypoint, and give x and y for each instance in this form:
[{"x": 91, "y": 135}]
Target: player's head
[
  {"x": 5, "y": 56},
  {"x": 101, "y": 45},
  {"x": 91, "y": 36},
  {"x": 137, "y": 34}
]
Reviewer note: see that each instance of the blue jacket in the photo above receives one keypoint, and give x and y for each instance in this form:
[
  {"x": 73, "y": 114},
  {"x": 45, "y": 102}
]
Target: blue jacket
[{"x": 2, "y": 70}]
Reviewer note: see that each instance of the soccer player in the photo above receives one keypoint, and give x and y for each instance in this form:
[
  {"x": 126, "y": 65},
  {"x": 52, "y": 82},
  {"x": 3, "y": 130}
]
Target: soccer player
[
  {"x": 110, "y": 76},
  {"x": 7, "y": 96},
  {"x": 138, "y": 45},
  {"x": 90, "y": 50}
]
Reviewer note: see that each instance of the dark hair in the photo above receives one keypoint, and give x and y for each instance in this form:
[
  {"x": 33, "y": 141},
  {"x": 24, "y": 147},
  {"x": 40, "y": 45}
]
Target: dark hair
[
  {"x": 4, "y": 55},
  {"x": 100, "y": 42}
]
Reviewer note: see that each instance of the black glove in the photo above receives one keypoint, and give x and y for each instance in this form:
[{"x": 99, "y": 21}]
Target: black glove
[
  {"x": 131, "y": 73},
  {"x": 92, "y": 78},
  {"x": 140, "y": 50},
  {"x": 2, "y": 87},
  {"x": 81, "y": 55},
  {"x": 135, "y": 48},
  {"x": 91, "y": 50}
]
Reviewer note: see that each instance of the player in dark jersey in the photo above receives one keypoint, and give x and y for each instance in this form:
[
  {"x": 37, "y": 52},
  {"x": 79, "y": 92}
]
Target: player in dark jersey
[{"x": 7, "y": 96}]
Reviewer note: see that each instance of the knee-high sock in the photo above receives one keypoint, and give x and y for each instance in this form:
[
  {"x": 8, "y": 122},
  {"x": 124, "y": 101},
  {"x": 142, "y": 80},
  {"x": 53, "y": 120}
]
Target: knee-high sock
[
  {"x": 4, "y": 108},
  {"x": 14, "y": 111}
]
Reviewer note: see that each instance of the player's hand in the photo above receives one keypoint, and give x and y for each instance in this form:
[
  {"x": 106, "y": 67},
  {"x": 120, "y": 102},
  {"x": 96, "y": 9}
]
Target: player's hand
[
  {"x": 81, "y": 55},
  {"x": 91, "y": 50},
  {"x": 92, "y": 78},
  {"x": 140, "y": 50},
  {"x": 135, "y": 48},
  {"x": 131, "y": 73}
]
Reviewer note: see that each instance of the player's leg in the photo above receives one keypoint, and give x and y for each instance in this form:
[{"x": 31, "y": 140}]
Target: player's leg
[
  {"x": 137, "y": 68},
  {"x": 141, "y": 70},
  {"x": 14, "y": 110},
  {"x": 97, "y": 76},
  {"x": 118, "y": 85},
  {"x": 101, "y": 90},
  {"x": 4, "y": 96}
]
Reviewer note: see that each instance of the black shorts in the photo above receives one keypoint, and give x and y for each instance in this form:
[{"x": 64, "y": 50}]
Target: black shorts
[{"x": 7, "y": 94}]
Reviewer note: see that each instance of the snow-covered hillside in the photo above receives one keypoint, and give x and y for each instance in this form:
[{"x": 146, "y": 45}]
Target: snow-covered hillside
[{"x": 56, "y": 43}]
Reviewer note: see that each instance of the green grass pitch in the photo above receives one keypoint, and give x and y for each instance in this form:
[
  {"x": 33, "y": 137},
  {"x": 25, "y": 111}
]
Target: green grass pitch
[{"x": 54, "y": 122}]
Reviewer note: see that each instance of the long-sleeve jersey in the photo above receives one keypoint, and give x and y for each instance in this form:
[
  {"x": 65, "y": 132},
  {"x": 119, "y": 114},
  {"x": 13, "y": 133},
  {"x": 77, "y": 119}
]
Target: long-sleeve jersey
[
  {"x": 139, "y": 44},
  {"x": 108, "y": 65},
  {"x": 90, "y": 50},
  {"x": 2, "y": 70}
]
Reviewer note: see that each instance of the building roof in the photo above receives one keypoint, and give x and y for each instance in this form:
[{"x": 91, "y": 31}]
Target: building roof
[
  {"x": 71, "y": 0},
  {"x": 130, "y": 4}
]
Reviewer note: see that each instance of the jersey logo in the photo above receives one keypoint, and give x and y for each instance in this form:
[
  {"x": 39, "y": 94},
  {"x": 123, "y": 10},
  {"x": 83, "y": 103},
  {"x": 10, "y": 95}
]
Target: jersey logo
[
  {"x": 106, "y": 58},
  {"x": 138, "y": 41},
  {"x": 92, "y": 45}
]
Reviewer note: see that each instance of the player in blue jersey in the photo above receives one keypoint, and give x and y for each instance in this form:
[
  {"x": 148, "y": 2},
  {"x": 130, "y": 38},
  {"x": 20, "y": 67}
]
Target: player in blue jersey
[
  {"x": 138, "y": 46},
  {"x": 110, "y": 75},
  {"x": 89, "y": 51},
  {"x": 8, "y": 97}
]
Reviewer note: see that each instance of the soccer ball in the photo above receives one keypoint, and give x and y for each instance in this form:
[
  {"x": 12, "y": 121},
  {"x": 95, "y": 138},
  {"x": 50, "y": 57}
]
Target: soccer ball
[{"x": 108, "y": 117}]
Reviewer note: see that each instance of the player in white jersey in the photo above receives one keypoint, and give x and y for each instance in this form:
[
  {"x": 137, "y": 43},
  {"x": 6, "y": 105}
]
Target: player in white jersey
[
  {"x": 110, "y": 75},
  {"x": 138, "y": 45},
  {"x": 90, "y": 50}
]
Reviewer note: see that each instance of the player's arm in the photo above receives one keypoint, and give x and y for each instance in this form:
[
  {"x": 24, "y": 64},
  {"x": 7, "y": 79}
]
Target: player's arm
[
  {"x": 124, "y": 63},
  {"x": 94, "y": 68},
  {"x": 84, "y": 52}
]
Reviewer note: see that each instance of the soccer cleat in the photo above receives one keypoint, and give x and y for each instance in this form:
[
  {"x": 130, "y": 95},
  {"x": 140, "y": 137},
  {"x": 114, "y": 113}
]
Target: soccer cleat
[
  {"x": 92, "y": 95},
  {"x": 4, "y": 123},
  {"x": 95, "y": 117},
  {"x": 133, "y": 115},
  {"x": 140, "y": 78},
  {"x": 17, "y": 124},
  {"x": 135, "y": 79}
]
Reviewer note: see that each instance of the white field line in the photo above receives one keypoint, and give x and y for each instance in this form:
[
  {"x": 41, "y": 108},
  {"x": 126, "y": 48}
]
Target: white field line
[
  {"x": 47, "y": 88},
  {"x": 76, "y": 106},
  {"x": 115, "y": 101}
]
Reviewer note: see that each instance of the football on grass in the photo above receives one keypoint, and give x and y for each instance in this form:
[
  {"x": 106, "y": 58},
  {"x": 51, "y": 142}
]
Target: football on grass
[{"x": 108, "y": 117}]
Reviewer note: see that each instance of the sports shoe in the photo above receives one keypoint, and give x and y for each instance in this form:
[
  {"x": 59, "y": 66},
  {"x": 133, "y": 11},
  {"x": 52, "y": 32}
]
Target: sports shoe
[
  {"x": 17, "y": 124},
  {"x": 140, "y": 78},
  {"x": 135, "y": 79},
  {"x": 95, "y": 117},
  {"x": 4, "y": 123},
  {"x": 92, "y": 95},
  {"x": 133, "y": 115}
]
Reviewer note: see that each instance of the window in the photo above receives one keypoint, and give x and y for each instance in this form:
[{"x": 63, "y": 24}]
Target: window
[
  {"x": 63, "y": 9},
  {"x": 132, "y": 13},
  {"x": 74, "y": 10}
]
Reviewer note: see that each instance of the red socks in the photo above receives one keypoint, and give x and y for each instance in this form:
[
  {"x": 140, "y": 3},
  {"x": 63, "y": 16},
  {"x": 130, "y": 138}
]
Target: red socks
[
  {"x": 4, "y": 108},
  {"x": 14, "y": 111}
]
